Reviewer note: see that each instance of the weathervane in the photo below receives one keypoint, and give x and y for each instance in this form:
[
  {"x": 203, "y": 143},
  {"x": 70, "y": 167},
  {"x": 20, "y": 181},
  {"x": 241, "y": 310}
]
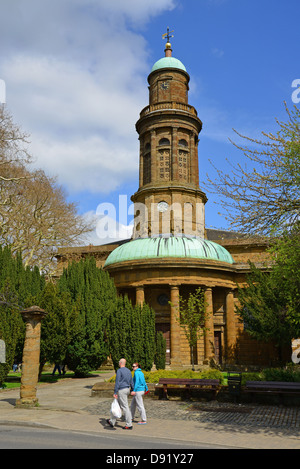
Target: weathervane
[{"x": 167, "y": 34}]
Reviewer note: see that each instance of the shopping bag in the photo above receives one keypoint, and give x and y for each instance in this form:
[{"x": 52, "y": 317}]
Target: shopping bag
[{"x": 116, "y": 409}]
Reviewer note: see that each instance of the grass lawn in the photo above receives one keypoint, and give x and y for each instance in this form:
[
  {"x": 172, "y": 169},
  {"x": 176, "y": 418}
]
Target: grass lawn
[{"x": 13, "y": 380}]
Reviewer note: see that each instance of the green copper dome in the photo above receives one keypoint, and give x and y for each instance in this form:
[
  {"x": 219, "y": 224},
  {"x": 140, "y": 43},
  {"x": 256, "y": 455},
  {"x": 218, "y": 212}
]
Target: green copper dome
[
  {"x": 157, "y": 248},
  {"x": 168, "y": 62}
]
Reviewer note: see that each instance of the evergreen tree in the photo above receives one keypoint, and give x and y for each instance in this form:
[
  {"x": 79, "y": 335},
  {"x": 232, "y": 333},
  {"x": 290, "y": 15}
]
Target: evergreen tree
[
  {"x": 19, "y": 288},
  {"x": 94, "y": 294},
  {"x": 131, "y": 334},
  {"x": 11, "y": 327},
  {"x": 122, "y": 332},
  {"x": 56, "y": 327}
]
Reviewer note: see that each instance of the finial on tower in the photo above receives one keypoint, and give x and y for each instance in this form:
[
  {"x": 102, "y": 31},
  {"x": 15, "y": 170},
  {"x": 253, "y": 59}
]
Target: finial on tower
[{"x": 168, "y": 49}]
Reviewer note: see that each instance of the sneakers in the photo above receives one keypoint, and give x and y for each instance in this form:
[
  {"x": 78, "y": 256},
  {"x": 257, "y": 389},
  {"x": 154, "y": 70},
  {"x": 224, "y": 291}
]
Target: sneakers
[
  {"x": 109, "y": 423},
  {"x": 127, "y": 428},
  {"x": 142, "y": 422}
]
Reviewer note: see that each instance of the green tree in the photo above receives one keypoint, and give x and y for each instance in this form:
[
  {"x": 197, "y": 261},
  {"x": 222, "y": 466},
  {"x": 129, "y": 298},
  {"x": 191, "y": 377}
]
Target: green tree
[
  {"x": 58, "y": 327},
  {"x": 19, "y": 288},
  {"x": 131, "y": 333},
  {"x": 264, "y": 309},
  {"x": 11, "y": 328},
  {"x": 286, "y": 273},
  {"x": 123, "y": 332},
  {"x": 160, "y": 351},
  {"x": 263, "y": 198},
  {"x": 94, "y": 294},
  {"x": 192, "y": 318}
]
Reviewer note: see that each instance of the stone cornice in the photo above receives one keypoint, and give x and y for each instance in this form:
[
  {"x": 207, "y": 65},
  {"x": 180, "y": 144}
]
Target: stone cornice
[{"x": 171, "y": 187}]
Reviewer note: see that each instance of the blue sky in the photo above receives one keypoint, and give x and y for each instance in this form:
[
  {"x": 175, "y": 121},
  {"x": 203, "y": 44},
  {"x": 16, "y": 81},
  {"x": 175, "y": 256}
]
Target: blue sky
[{"x": 76, "y": 79}]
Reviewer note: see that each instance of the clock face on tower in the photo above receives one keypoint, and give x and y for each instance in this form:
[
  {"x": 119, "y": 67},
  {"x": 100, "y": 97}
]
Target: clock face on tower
[
  {"x": 164, "y": 85},
  {"x": 162, "y": 206}
]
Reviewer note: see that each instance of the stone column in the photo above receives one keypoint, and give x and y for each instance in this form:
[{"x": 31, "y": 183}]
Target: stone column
[
  {"x": 209, "y": 326},
  {"x": 31, "y": 356},
  {"x": 175, "y": 327},
  {"x": 230, "y": 327},
  {"x": 140, "y": 295}
]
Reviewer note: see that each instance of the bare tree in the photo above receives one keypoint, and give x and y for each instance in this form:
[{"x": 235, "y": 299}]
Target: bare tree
[
  {"x": 13, "y": 154},
  {"x": 35, "y": 217},
  {"x": 264, "y": 198}
]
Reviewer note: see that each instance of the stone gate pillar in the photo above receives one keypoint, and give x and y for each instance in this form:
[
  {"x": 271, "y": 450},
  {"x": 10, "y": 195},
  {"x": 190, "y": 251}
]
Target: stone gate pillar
[{"x": 31, "y": 356}]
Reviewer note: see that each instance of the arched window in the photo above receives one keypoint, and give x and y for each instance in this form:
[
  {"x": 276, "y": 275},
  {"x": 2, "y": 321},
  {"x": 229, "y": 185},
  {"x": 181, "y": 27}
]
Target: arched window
[
  {"x": 164, "y": 141},
  {"x": 147, "y": 147},
  {"x": 183, "y": 143}
]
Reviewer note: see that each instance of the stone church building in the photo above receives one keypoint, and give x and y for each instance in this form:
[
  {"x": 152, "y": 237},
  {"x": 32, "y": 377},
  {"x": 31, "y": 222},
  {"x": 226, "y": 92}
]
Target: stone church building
[{"x": 171, "y": 253}]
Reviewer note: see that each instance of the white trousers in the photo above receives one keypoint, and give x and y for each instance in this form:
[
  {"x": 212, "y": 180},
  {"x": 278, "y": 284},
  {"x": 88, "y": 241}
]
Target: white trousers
[
  {"x": 137, "y": 402},
  {"x": 123, "y": 401}
]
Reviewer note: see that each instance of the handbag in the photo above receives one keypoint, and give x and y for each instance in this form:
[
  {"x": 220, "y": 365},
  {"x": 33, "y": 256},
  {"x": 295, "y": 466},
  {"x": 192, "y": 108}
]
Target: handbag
[
  {"x": 146, "y": 390},
  {"x": 116, "y": 409}
]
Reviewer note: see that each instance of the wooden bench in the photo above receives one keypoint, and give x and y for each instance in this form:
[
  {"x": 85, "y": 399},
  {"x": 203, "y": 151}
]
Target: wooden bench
[
  {"x": 205, "y": 384},
  {"x": 272, "y": 387}
]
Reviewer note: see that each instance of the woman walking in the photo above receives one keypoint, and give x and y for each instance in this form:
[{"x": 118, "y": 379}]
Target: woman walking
[{"x": 139, "y": 389}]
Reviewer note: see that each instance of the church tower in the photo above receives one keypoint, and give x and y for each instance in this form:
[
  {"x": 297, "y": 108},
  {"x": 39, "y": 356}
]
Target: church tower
[
  {"x": 169, "y": 201},
  {"x": 171, "y": 254}
]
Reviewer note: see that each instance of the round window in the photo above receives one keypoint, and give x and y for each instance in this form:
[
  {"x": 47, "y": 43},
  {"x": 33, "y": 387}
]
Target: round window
[{"x": 163, "y": 299}]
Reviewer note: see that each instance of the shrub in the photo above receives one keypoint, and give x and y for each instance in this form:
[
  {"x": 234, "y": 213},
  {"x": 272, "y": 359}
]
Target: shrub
[
  {"x": 281, "y": 374},
  {"x": 153, "y": 376},
  {"x": 160, "y": 352},
  {"x": 253, "y": 376}
]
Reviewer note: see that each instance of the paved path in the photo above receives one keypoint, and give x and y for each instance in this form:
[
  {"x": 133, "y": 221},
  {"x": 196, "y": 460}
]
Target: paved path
[{"x": 68, "y": 405}]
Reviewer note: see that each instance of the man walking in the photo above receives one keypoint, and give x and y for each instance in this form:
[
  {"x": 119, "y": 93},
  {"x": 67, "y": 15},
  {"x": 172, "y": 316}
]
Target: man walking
[{"x": 123, "y": 386}]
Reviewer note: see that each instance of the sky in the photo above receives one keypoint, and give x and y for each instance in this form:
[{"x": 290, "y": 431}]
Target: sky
[{"x": 75, "y": 76}]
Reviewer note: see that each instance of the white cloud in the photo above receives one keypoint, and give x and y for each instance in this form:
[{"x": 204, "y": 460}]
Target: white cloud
[
  {"x": 75, "y": 72},
  {"x": 91, "y": 163}
]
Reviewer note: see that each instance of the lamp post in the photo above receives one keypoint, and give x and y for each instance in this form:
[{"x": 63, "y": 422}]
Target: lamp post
[{"x": 31, "y": 356}]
